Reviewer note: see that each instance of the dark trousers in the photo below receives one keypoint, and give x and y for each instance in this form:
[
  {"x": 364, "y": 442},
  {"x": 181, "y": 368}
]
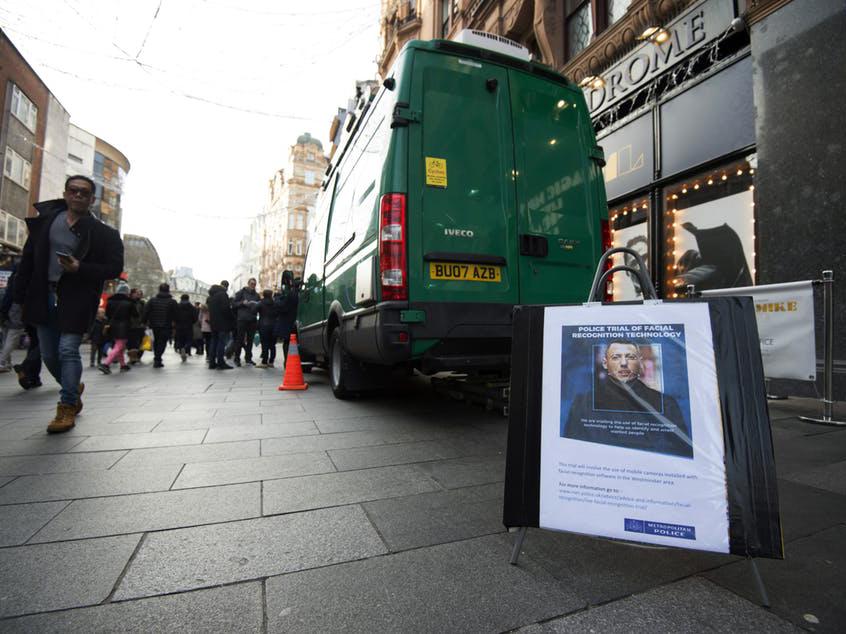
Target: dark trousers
[
  {"x": 160, "y": 337},
  {"x": 207, "y": 343},
  {"x": 182, "y": 341},
  {"x": 268, "y": 344},
  {"x": 32, "y": 364},
  {"x": 96, "y": 352},
  {"x": 218, "y": 347},
  {"x": 244, "y": 334}
]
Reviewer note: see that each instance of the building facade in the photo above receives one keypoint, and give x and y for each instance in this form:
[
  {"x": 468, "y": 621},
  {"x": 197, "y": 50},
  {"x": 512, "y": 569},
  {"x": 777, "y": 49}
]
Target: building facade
[
  {"x": 283, "y": 227},
  {"x": 142, "y": 265},
  {"x": 23, "y": 128},
  {"x": 110, "y": 170},
  {"x": 717, "y": 124},
  {"x": 183, "y": 282}
]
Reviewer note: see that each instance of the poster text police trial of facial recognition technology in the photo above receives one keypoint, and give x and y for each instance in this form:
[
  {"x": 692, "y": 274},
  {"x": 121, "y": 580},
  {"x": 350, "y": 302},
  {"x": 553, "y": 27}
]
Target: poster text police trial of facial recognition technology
[{"x": 631, "y": 434}]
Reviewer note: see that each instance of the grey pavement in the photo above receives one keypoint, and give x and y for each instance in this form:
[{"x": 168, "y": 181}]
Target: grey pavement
[{"x": 195, "y": 500}]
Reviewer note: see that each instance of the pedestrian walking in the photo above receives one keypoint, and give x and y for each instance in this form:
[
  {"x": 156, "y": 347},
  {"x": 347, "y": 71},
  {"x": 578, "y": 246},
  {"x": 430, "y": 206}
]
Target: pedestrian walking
[
  {"x": 97, "y": 337},
  {"x": 267, "y": 314},
  {"x": 119, "y": 313},
  {"x": 160, "y": 315},
  {"x": 244, "y": 303},
  {"x": 186, "y": 317},
  {"x": 136, "y": 326},
  {"x": 205, "y": 330},
  {"x": 197, "y": 332},
  {"x": 67, "y": 257},
  {"x": 286, "y": 303},
  {"x": 11, "y": 315},
  {"x": 222, "y": 321}
]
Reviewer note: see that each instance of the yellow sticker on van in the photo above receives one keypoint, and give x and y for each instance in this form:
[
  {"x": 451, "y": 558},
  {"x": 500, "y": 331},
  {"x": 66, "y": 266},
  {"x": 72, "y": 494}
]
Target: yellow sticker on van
[{"x": 436, "y": 172}]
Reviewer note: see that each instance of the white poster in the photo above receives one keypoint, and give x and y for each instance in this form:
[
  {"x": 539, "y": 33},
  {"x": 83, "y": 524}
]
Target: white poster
[
  {"x": 785, "y": 316},
  {"x": 715, "y": 243},
  {"x": 627, "y": 287},
  {"x": 632, "y": 435}
]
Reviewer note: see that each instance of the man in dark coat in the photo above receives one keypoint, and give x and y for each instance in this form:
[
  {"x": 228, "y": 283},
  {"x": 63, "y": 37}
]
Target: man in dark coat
[
  {"x": 286, "y": 302},
  {"x": 160, "y": 314},
  {"x": 222, "y": 321},
  {"x": 67, "y": 257},
  {"x": 245, "y": 302},
  {"x": 624, "y": 412},
  {"x": 186, "y": 316}
]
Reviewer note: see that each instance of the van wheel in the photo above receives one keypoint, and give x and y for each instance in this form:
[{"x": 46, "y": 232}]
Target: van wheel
[{"x": 339, "y": 366}]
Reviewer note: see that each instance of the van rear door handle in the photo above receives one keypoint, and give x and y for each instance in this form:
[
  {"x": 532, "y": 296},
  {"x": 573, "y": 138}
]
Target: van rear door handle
[{"x": 534, "y": 246}]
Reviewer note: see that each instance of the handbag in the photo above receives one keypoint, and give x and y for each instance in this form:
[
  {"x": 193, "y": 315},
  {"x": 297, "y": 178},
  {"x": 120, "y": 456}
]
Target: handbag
[{"x": 146, "y": 343}]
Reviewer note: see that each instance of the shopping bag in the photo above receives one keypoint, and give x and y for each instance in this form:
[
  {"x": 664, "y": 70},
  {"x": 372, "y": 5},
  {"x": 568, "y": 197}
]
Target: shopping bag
[{"x": 147, "y": 343}]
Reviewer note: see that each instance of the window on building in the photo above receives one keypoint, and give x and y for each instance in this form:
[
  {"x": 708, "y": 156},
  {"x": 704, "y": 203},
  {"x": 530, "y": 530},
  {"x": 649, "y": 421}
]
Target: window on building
[
  {"x": 17, "y": 168},
  {"x": 300, "y": 221},
  {"x": 290, "y": 247},
  {"x": 616, "y": 9},
  {"x": 309, "y": 177},
  {"x": 579, "y": 26},
  {"x": 299, "y": 247},
  {"x": 291, "y": 219},
  {"x": 310, "y": 156},
  {"x": 448, "y": 10},
  {"x": 23, "y": 108}
]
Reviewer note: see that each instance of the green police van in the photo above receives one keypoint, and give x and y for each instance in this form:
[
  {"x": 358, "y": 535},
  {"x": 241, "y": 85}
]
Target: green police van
[{"x": 470, "y": 182}]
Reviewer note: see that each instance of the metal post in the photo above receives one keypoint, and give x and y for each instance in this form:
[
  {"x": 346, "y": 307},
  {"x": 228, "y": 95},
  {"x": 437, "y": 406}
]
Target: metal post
[
  {"x": 518, "y": 544},
  {"x": 828, "y": 370},
  {"x": 759, "y": 582}
]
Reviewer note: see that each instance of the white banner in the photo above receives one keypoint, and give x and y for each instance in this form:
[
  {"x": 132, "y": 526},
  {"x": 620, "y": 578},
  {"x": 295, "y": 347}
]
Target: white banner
[
  {"x": 631, "y": 434},
  {"x": 785, "y": 316}
]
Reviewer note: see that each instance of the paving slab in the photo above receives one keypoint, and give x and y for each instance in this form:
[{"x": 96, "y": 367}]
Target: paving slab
[
  {"x": 383, "y": 455},
  {"x": 809, "y": 452},
  {"x": 235, "y": 608},
  {"x": 806, "y": 510},
  {"x": 66, "y": 575},
  {"x": 46, "y": 444},
  {"x": 19, "y": 522},
  {"x": 691, "y": 605},
  {"x": 464, "y": 472},
  {"x": 252, "y": 470},
  {"x": 231, "y": 433},
  {"x": 805, "y": 588},
  {"x": 462, "y": 587},
  {"x": 334, "y": 489},
  {"x": 603, "y": 570},
  {"x": 831, "y": 477},
  {"x": 341, "y": 440},
  {"x": 208, "y": 423},
  {"x": 436, "y": 518},
  {"x": 59, "y": 463},
  {"x": 152, "y": 512},
  {"x": 205, "y": 556},
  {"x": 87, "y": 484},
  {"x": 184, "y": 454},
  {"x": 137, "y": 441}
]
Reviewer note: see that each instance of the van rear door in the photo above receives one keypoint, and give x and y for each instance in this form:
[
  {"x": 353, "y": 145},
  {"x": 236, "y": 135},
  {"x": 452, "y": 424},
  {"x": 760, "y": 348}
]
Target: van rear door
[
  {"x": 461, "y": 204},
  {"x": 559, "y": 191}
]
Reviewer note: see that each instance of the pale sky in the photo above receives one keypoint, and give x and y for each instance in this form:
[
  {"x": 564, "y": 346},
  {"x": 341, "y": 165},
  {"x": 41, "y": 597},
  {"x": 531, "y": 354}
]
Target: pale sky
[{"x": 273, "y": 68}]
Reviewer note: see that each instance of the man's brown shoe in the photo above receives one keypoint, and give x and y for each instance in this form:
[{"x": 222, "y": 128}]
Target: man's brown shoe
[
  {"x": 64, "y": 420},
  {"x": 79, "y": 398}
]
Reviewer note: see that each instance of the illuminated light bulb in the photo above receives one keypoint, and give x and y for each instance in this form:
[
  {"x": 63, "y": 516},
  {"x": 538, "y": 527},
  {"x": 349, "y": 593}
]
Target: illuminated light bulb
[
  {"x": 561, "y": 104},
  {"x": 675, "y": 295},
  {"x": 643, "y": 206},
  {"x": 625, "y": 213},
  {"x": 684, "y": 190},
  {"x": 675, "y": 197},
  {"x": 751, "y": 188},
  {"x": 553, "y": 141},
  {"x": 675, "y": 211},
  {"x": 751, "y": 171},
  {"x": 710, "y": 181},
  {"x": 696, "y": 186},
  {"x": 724, "y": 177},
  {"x": 740, "y": 172}
]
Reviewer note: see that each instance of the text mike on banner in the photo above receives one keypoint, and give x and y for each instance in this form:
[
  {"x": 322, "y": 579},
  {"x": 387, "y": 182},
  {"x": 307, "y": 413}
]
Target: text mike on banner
[{"x": 785, "y": 315}]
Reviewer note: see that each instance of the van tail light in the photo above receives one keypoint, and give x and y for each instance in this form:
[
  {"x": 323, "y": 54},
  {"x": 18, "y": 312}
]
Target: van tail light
[
  {"x": 393, "y": 265},
  {"x": 605, "y": 231}
]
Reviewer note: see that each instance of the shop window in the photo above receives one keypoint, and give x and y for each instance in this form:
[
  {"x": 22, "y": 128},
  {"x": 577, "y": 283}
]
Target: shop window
[
  {"x": 629, "y": 229},
  {"x": 579, "y": 25},
  {"x": 709, "y": 229}
]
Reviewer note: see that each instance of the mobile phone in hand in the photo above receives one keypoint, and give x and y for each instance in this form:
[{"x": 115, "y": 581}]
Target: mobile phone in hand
[{"x": 63, "y": 255}]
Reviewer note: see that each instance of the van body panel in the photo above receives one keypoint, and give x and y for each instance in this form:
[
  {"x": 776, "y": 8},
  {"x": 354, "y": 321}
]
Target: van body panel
[
  {"x": 554, "y": 191},
  {"x": 466, "y": 124}
]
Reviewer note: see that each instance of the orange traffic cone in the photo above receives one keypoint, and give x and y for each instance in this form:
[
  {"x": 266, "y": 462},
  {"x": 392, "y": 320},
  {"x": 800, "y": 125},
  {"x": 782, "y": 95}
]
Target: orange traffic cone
[{"x": 293, "y": 378}]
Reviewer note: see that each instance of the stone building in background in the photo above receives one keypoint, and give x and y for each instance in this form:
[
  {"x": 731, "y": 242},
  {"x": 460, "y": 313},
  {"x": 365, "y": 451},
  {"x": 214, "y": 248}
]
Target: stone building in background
[
  {"x": 142, "y": 264},
  {"x": 277, "y": 239},
  {"x": 183, "y": 282}
]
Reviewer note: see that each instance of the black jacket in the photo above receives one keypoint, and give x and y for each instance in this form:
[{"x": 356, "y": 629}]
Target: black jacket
[
  {"x": 186, "y": 315},
  {"x": 244, "y": 303},
  {"x": 221, "y": 318},
  {"x": 119, "y": 311},
  {"x": 267, "y": 312},
  {"x": 100, "y": 255},
  {"x": 96, "y": 332},
  {"x": 286, "y": 305},
  {"x": 160, "y": 312}
]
